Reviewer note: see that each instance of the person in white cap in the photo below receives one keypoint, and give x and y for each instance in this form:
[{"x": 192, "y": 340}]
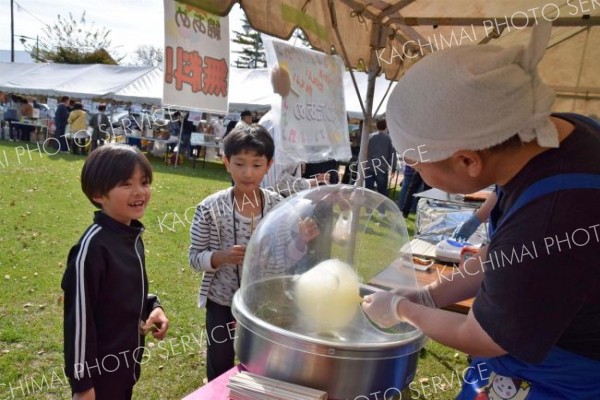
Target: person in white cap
[{"x": 482, "y": 114}]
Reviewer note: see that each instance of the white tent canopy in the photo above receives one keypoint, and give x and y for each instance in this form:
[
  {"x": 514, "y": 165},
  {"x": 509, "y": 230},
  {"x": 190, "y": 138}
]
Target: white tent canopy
[
  {"x": 146, "y": 90},
  {"x": 11, "y": 71},
  {"x": 84, "y": 81},
  {"x": 248, "y": 88}
]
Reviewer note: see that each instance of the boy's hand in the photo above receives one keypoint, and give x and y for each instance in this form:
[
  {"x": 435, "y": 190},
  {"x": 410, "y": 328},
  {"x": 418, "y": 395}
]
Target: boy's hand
[
  {"x": 232, "y": 255},
  {"x": 89, "y": 394},
  {"x": 307, "y": 230},
  {"x": 158, "y": 318},
  {"x": 235, "y": 254}
]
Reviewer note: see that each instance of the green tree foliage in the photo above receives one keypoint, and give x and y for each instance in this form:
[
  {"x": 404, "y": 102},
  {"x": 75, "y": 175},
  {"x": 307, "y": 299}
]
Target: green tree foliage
[
  {"x": 72, "y": 41},
  {"x": 252, "y": 54}
]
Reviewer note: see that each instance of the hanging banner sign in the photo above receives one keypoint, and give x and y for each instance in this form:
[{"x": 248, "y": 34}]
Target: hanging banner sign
[
  {"x": 312, "y": 113},
  {"x": 196, "y": 62}
]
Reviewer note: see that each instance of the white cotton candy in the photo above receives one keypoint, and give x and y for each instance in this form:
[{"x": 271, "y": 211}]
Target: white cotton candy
[{"x": 328, "y": 294}]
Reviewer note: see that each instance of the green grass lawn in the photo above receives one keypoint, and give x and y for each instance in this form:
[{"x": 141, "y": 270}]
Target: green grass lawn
[{"x": 43, "y": 213}]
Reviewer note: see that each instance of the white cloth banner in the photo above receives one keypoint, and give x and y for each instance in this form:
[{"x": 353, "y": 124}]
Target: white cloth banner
[
  {"x": 312, "y": 125},
  {"x": 196, "y": 66}
]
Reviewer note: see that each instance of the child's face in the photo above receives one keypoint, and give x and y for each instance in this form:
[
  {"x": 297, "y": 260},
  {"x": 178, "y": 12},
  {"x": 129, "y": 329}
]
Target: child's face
[
  {"x": 247, "y": 170},
  {"x": 128, "y": 200}
]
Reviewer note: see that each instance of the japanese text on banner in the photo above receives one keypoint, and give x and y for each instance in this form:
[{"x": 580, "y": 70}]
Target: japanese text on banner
[{"x": 196, "y": 72}]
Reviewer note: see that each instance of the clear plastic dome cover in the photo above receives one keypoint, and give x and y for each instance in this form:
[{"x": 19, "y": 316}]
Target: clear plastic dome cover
[{"x": 314, "y": 287}]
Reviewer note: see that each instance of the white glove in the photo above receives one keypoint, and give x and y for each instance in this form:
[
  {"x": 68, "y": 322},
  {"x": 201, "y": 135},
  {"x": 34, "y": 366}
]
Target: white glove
[
  {"x": 420, "y": 296},
  {"x": 425, "y": 298},
  {"x": 382, "y": 308}
]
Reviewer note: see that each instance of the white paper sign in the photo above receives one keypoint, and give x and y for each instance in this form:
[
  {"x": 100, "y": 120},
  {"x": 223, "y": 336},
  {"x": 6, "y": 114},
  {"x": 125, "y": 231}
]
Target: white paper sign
[
  {"x": 312, "y": 113},
  {"x": 196, "y": 66}
]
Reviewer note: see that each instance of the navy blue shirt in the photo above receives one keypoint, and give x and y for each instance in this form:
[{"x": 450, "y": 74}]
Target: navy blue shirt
[{"x": 541, "y": 286}]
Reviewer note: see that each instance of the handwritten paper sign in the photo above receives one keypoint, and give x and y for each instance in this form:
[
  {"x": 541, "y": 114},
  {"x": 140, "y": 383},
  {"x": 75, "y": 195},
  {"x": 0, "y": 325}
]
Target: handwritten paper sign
[
  {"x": 196, "y": 69},
  {"x": 312, "y": 114}
]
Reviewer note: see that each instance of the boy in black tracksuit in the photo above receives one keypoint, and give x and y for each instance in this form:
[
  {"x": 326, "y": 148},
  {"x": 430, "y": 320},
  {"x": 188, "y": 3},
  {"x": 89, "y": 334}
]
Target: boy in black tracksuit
[{"x": 107, "y": 307}]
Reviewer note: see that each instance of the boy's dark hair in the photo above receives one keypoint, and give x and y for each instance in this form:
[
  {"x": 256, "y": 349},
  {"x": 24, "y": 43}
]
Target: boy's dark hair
[
  {"x": 102, "y": 107},
  {"x": 381, "y": 125},
  {"x": 78, "y": 106},
  {"x": 249, "y": 138},
  {"x": 108, "y": 166},
  {"x": 246, "y": 113},
  {"x": 64, "y": 98}
]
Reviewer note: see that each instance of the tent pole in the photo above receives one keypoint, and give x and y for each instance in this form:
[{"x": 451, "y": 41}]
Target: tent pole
[
  {"x": 334, "y": 24},
  {"x": 179, "y": 140},
  {"x": 12, "y": 32},
  {"x": 368, "y": 121},
  {"x": 374, "y": 69},
  {"x": 377, "y": 41},
  {"x": 387, "y": 91},
  {"x": 364, "y": 145}
]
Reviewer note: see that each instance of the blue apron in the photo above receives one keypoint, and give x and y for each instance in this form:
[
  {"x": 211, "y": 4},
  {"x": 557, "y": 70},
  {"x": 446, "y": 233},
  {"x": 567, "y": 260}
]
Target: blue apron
[{"x": 562, "y": 375}]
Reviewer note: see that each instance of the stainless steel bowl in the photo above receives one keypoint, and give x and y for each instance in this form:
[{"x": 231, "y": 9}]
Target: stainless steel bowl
[{"x": 358, "y": 361}]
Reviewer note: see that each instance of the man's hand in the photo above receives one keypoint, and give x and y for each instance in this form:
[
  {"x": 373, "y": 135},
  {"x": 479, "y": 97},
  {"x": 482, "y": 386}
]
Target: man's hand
[
  {"x": 89, "y": 394},
  {"x": 158, "y": 318},
  {"x": 464, "y": 231},
  {"x": 382, "y": 308},
  {"x": 420, "y": 296}
]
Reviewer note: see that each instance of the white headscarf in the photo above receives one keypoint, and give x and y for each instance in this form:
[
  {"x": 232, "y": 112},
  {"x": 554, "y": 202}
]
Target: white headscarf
[{"x": 472, "y": 98}]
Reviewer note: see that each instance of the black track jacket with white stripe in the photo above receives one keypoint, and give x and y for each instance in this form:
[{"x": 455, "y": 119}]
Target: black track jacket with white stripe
[{"x": 106, "y": 298}]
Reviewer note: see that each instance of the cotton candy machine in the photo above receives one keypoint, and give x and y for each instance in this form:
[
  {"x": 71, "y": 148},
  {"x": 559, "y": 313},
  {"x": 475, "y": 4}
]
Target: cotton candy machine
[{"x": 298, "y": 310}]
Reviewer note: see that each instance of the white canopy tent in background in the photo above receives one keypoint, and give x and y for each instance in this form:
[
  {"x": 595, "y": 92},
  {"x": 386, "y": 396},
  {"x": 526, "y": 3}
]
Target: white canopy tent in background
[
  {"x": 145, "y": 90},
  {"x": 82, "y": 81},
  {"x": 248, "y": 88}
]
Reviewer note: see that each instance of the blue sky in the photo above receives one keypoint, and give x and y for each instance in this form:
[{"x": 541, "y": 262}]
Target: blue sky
[{"x": 132, "y": 22}]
